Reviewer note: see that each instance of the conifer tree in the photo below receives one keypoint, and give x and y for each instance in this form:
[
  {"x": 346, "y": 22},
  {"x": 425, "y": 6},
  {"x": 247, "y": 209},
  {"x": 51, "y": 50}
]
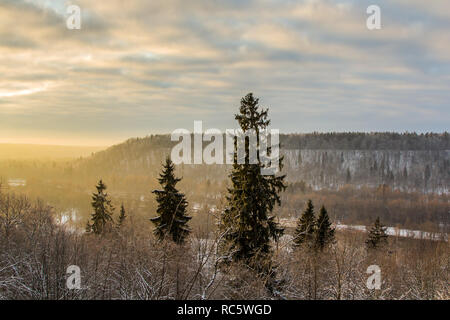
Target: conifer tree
[
  {"x": 172, "y": 219},
  {"x": 348, "y": 178},
  {"x": 122, "y": 215},
  {"x": 103, "y": 210},
  {"x": 306, "y": 226},
  {"x": 247, "y": 223},
  {"x": 324, "y": 232},
  {"x": 377, "y": 236}
]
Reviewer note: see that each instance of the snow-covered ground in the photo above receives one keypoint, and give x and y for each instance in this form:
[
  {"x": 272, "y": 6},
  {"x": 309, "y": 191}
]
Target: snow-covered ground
[
  {"x": 67, "y": 219},
  {"x": 406, "y": 233},
  {"x": 17, "y": 182},
  {"x": 392, "y": 231}
]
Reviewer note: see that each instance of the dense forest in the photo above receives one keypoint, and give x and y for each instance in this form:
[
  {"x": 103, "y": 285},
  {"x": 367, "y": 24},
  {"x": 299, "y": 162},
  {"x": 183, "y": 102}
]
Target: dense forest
[
  {"x": 330, "y": 160},
  {"x": 367, "y": 141},
  {"x": 416, "y": 169},
  {"x": 405, "y": 180}
]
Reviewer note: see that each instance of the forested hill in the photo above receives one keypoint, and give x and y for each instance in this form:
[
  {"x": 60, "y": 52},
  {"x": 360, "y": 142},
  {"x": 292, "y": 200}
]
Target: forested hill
[
  {"x": 366, "y": 141},
  {"x": 318, "y": 141},
  {"x": 139, "y": 147},
  {"x": 406, "y": 161}
]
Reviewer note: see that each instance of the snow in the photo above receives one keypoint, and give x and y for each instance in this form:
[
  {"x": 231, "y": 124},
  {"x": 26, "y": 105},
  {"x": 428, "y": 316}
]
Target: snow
[
  {"x": 67, "y": 219},
  {"x": 392, "y": 231},
  {"x": 405, "y": 233},
  {"x": 17, "y": 182}
]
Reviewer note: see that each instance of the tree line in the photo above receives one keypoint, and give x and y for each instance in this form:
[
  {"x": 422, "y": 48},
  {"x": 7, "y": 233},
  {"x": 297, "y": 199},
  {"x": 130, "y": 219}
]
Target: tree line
[{"x": 247, "y": 225}]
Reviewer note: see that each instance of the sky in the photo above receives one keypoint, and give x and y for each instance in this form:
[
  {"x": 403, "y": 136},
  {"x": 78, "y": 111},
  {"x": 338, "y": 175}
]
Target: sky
[{"x": 139, "y": 67}]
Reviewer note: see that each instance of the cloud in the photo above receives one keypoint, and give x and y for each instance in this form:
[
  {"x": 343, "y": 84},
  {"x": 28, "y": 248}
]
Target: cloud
[
  {"x": 13, "y": 93},
  {"x": 153, "y": 66}
]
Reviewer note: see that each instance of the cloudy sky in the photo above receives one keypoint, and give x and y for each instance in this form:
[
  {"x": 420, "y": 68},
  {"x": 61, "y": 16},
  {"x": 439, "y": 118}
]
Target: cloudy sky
[{"x": 138, "y": 67}]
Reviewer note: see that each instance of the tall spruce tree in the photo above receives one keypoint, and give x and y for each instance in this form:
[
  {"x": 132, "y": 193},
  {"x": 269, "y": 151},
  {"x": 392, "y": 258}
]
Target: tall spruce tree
[
  {"x": 306, "y": 226},
  {"x": 103, "y": 211},
  {"x": 122, "y": 215},
  {"x": 172, "y": 219},
  {"x": 324, "y": 232},
  {"x": 377, "y": 236},
  {"x": 247, "y": 223}
]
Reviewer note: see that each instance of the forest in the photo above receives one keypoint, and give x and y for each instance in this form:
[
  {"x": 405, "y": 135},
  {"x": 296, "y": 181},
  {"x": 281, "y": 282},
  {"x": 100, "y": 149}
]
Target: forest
[
  {"x": 401, "y": 181},
  {"x": 140, "y": 227}
]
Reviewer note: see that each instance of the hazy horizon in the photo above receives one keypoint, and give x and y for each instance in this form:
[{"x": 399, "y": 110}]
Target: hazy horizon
[{"x": 119, "y": 141}]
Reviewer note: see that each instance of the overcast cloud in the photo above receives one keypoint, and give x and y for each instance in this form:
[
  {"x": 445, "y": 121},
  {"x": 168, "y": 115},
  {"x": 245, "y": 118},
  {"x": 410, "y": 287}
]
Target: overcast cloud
[{"x": 138, "y": 67}]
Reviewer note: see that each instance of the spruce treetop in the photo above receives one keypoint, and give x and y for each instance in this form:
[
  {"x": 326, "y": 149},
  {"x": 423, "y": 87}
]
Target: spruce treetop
[
  {"x": 250, "y": 115},
  {"x": 167, "y": 178},
  {"x": 324, "y": 232},
  {"x": 304, "y": 233}
]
